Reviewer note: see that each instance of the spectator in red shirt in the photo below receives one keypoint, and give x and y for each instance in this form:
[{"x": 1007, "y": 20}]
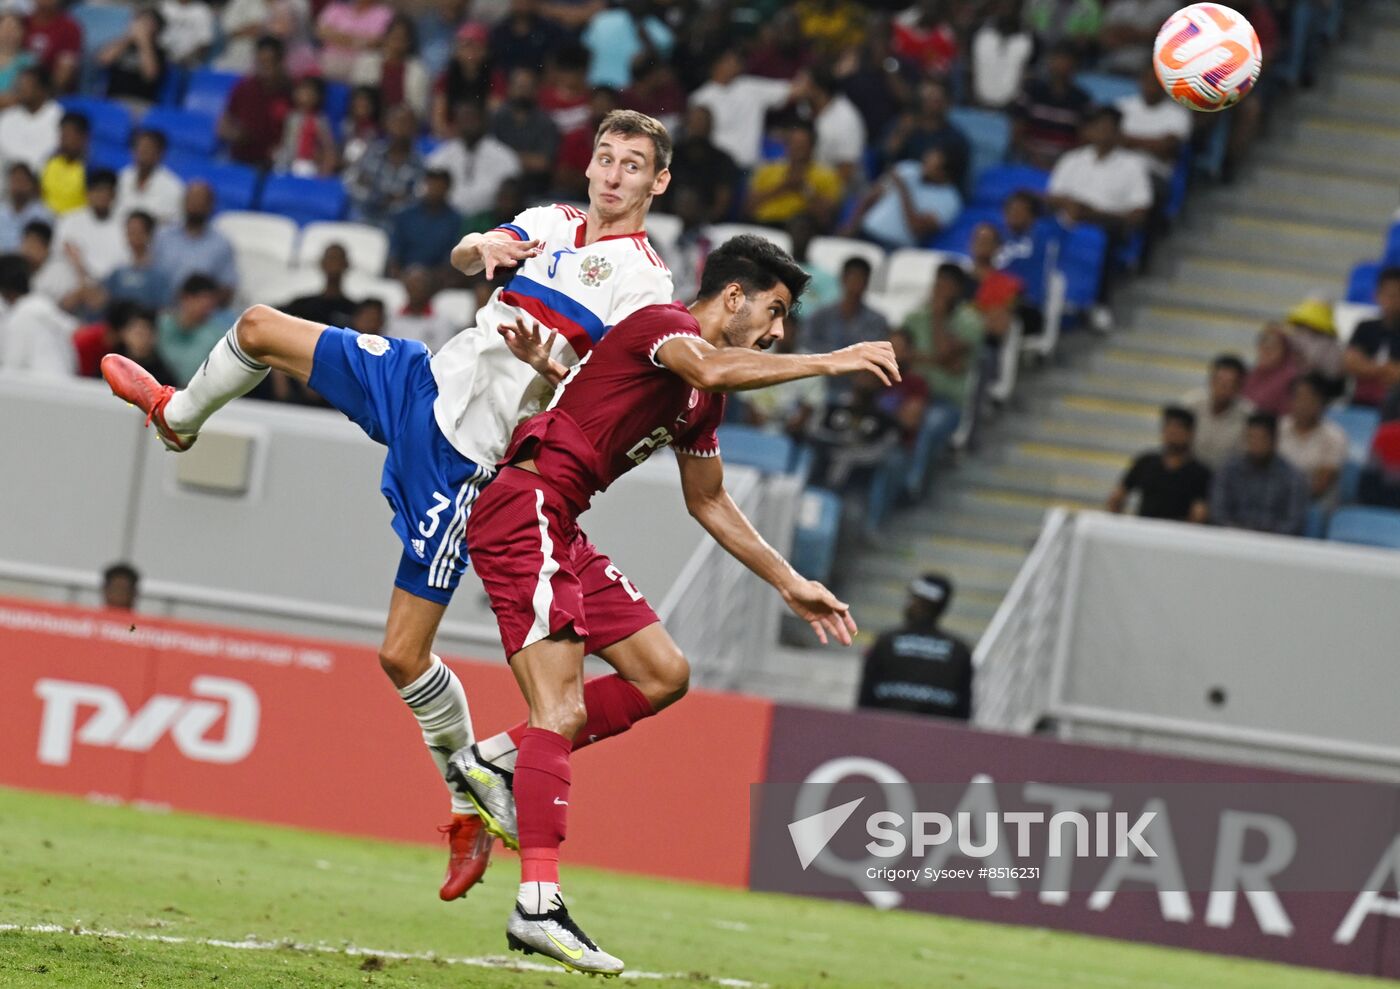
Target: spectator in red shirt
[
  {"x": 923, "y": 36},
  {"x": 57, "y": 42},
  {"x": 257, "y": 108},
  {"x": 656, "y": 92},
  {"x": 576, "y": 148},
  {"x": 565, "y": 96}
]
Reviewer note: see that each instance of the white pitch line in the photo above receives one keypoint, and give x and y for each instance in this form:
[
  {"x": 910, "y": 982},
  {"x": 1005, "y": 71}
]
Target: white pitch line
[{"x": 251, "y": 943}]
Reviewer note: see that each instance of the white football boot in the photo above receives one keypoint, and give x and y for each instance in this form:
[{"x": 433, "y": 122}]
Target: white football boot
[
  {"x": 555, "y": 935},
  {"x": 490, "y": 789}
]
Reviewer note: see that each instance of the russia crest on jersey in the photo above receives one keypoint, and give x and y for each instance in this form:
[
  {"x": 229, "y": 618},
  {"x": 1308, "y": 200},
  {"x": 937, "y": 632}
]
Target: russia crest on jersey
[{"x": 594, "y": 270}]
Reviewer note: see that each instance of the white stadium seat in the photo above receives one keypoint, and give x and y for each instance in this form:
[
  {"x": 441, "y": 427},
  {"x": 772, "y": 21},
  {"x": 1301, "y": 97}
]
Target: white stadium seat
[
  {"x": 278, "y": 286},
  {"x": 367, "y": 246},
  {"x": 721, "y": 232},
  {"x": 456, "y": 304},
  {"x": 1347, "y": 314},
  {"x": 360, "y": 286},
  {"x": 662, "y": 230},
  {"x": 262, "y": 233},
  {"x": 911, "y": 269},
  {"x": 830, "y": 253},
  {"x": 894, "y": 306}
]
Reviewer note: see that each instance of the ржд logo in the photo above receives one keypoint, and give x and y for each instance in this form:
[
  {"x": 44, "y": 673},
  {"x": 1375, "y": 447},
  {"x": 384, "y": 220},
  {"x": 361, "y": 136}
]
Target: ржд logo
[{"x": 111, "y": 725}]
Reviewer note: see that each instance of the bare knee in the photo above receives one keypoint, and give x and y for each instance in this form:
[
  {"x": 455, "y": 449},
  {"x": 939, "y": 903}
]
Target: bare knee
[
  {"x": 669, "y": 679},
  {"x": 257, "y": 330},
  {"x": 564, "y": 717},
  {"x": 403, "y": 666}
]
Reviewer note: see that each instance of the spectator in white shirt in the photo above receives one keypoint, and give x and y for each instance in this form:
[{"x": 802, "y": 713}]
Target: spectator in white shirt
[
  {"x": 189, "y": 31},
  {"x": 1101, "y": 182},
  {"x": 1155, "y": 125},
  {"x": 1222, "y": 412},
  {"x": 50, "y": 275},
  {"x": 92, "y": 239},
  {"x": 476, "y": 161},
  {"x": 1313, "y": 444},
  {"x": 29, "y": 129},
  {"x": 1001, "y": 50},
  {"x": 20, "y": 206},
  {"x": 417, "y": 320},
  {"x": 839, "y": 128},
  {"x": 35, "y": 335},
  {"x": 737, "y": 104},
  {"x": 146, "y": 184}
]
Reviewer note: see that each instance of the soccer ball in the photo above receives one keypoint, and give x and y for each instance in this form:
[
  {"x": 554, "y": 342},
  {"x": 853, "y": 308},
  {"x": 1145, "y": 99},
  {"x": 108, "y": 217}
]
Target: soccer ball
[{"x": 1206, "y": 56}]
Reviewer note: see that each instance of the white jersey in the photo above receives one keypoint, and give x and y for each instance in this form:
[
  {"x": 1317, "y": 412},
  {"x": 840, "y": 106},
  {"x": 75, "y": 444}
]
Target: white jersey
[{"x": 582, "y": 291}]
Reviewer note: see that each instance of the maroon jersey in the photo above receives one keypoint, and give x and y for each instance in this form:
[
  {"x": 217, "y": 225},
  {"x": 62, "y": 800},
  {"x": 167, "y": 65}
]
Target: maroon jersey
[{"x": 617, "y": 407}]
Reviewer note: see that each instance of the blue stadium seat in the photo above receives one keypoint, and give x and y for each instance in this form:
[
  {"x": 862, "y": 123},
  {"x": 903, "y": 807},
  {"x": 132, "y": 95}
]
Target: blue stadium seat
[
  {"x": 771, "y": 149},
  {"x": 235, "y": 186},
  {"x": 337, "y": 103},
  {"x": 995, "y": 184},
  {"x": 104, "y": 154},
  {"x": 1366, "y": 527},
  {"x": 172, "y": 85},
  {"x": 1361, "y": 286},
  {"x": 771, "y": 453},
  {"x": 1082, "y": 251},
  {"x": 958, "y": 235},
  {"x": 815, "y": 535},
  {"x": 989, "y": 133},
  {"x": 111, "y": 122},
  {"x": 192, "y": 133},
  {"x": 101, "y": 23},
  {"x": 207, "y": 92},
  {"x": 1104, "y": 88},
  {"x": 1181, "y": 177},
  {"x": 1392, "y": 245},
  {"x": 1359, "y": 423},
  {"x": 304, "y": 200}
]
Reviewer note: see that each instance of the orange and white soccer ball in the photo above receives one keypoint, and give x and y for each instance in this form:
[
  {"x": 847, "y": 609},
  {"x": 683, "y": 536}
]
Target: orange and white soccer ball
[{"x": 1207, "y": 56}]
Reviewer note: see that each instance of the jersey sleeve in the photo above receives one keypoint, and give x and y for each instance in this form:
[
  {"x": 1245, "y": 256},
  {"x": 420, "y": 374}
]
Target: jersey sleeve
[
  {"x": 702, "y": 438},
  {"x": 530, "y": 224}
]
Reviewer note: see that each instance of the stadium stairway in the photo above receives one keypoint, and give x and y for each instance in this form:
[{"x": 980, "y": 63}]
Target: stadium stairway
[{"x": 1315, "y": 197}]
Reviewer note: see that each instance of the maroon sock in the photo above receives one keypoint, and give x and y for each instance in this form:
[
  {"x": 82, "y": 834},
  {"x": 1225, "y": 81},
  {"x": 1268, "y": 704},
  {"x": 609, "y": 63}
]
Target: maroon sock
[
  {"x": 613, "y": 704},
  {"x": 542, "y": 792}
]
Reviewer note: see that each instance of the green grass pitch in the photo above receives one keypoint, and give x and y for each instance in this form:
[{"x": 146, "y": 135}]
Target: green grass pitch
[{"x": 311, "y": 910}]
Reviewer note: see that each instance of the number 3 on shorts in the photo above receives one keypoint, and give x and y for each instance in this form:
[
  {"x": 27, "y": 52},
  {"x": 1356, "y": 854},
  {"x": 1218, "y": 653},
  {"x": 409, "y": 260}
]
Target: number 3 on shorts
[
  {"x": 612, "y": 573},
  {"x": 434, "y": 516}
]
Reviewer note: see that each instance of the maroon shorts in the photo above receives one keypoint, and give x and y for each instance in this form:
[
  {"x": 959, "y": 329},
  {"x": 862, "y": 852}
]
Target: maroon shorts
[{"x": 541, "y": 572}]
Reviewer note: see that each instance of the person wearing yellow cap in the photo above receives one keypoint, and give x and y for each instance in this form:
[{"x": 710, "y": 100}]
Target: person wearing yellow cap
[{"x": 1313, "y": 333}]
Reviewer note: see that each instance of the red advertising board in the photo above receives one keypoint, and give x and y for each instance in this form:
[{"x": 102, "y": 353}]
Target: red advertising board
[{"x": 310, "y": 733}]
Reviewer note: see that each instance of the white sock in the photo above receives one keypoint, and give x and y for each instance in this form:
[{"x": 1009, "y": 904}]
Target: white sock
[
  {"x": 439, "y": 703},
  {"x": 225, "y": 374},
  {"x": 539, "y": 897},
  {"x": 499, "y": 751}
]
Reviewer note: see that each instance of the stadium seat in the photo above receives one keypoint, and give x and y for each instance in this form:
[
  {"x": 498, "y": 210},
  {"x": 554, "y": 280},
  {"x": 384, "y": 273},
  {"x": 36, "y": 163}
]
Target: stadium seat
[
  {"x": 106, "y": 155},
  {"x": 662, "y": 230},
  {"x": 457, "y": 305},
  {"x": 895, "y": 306},
  {"x": 911, "y": 270},
  {"x": 771, "y": 453},
  {"x": 995, "y": 184},
  {"x": 814, "y": 537},
  {"x": 337, "y": 103},
  {"x": 276, "y": 286},
  {"x": 1359, "y": 423},
  {"x": 367, "y": 246},
  {"x": 427, "y": 144},
  {"x": 207, "y": 92},
  {"x": 172, "y": 86},
  {"x": 1361, "y": 286},
  {"x": 1392, "y": 245},
  {"x": 272, "y": 236},
  {"x": 956, "y": 237},
  {"x": 721, "y": 232},
  {"x": 1081, "y": 258},
  {"x": 110, "y": 122},
  {"x": 192, "y": 133},
  {"x": 235, "y": 186},
  {"x": 830, "y": 253},
  {"x": 358, "y": 285},
  {"x": 101, "y": 23},
  {"x": 304, "y": 200},
  {"x": 1366, "y": 527},
  {"x": 1104, "y": 88},
  {"x": 989, "y": 133}
]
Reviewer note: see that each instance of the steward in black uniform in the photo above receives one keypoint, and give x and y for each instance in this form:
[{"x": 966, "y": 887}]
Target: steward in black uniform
[{"x": 919, "y": 668}]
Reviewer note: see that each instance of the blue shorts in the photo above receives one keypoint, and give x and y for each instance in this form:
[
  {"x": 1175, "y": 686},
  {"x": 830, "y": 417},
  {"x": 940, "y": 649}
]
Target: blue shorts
[{"x": 385, "y": 386}]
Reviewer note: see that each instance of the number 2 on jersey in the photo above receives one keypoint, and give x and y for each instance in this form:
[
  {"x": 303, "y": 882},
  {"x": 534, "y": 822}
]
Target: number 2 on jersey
[{"x": 612, "y": 573}]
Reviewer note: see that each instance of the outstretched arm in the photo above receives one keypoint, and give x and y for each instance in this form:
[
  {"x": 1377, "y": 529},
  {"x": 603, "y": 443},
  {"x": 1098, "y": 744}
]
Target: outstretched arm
[
  {"x": 525, "y": 343},
  {"x": 491, "y": 250},
  {"x": 715, "y": 369},
  {"x": 702, "y": 480}
]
